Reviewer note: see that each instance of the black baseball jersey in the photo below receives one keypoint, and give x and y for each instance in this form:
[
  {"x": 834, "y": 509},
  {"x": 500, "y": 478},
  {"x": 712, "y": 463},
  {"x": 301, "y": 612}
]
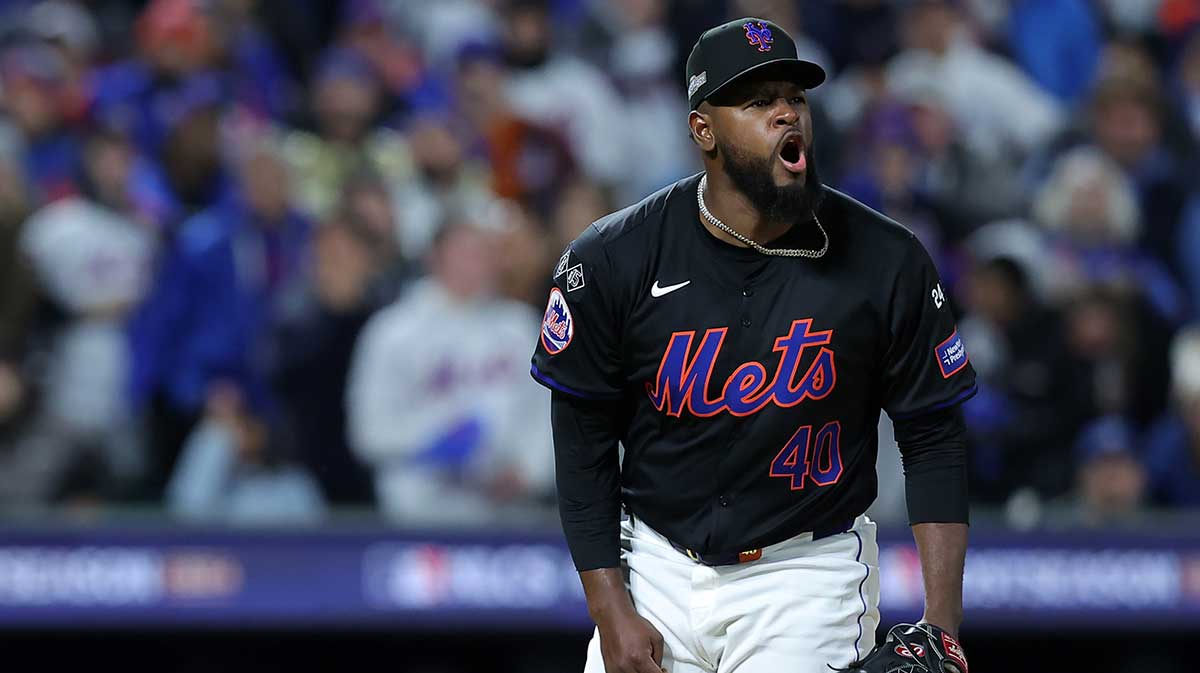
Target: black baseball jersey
[{"x": 754, "y": 382}]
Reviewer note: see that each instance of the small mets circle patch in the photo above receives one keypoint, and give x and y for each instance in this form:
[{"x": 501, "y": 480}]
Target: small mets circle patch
[{"x": 558, "y": 327}]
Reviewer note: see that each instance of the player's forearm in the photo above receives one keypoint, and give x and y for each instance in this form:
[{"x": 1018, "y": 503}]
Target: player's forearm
[
  {"x": 587, "y": 473},
  {"x": 943, "y": 550}
]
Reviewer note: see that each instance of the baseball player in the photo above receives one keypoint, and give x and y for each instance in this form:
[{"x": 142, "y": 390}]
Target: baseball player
[{"x": 738, "y": 333}]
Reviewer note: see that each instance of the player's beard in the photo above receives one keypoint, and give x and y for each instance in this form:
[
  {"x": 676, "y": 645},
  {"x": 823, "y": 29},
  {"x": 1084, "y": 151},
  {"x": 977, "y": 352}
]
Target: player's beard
[{"x": 754, "y": 177}]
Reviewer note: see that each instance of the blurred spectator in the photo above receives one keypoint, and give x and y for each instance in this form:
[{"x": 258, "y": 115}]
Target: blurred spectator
[
  {"x": 454, "y": 427},
  {"x": 1186, "y": 82},
  {"x": 367, "y": 202},
  {"x": 1126, "y": 123},
  {"x": 93, "y": 263},
  {"x": 116, "y": 177},
  {"x": 1090, "y": 210},
  {"x": 524, "y": 248},
  {"x": 18, "y": 286},
  {"x": 260, "y": 82},
  {"x": 890, "y": 506},
  {"x": 72, "y": 31},
  {"x": 908, "y": 161},
  {"x": 363, "y": 28},
  {"x": 233, "y": 470},
  {"x": 886, "y": 170},
  {"x": 1101, "y": 335},
  {"x": 1111, "y": 480},
  {"x": 529, "y": 162},
  {"x": 445, "y": 179},
  {"x": 195, "y": 177},
  {"x": 1173, "y": 443},
  {"x": 33, "y": 76},
  {"x": 640, "y": 57},
  {"x": 855, "y": 33},
  {"x": 214, "y": 299},
  {"x": 1029, "y": 403},
  {"x": 1058, "y": 44},
  {"x": 346, "y": 100},
  {"x": 564, "y": 93},
  {"x": 149, "y": 94},
  {"x": 581, "y": 203},
  {"x": 18, "y": 305},
  {"x": 442, "y": 28},
  {"x": 998, "y": 109},
  {"x": 1131, "y": 16},
  {"x": 315, "y": 341}
]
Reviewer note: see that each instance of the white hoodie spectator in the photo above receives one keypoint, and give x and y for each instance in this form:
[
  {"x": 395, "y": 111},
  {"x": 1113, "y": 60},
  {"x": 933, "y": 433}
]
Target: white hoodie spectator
[
  {"x": 440, "y": 402},
  {"x": 996, "y": 105},
  {"x": 567, "y": 94},
  {"x": 94, "y": 263}
]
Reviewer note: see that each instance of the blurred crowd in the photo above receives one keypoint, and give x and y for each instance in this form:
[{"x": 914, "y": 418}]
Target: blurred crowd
[{"x": 265, "y": 261}]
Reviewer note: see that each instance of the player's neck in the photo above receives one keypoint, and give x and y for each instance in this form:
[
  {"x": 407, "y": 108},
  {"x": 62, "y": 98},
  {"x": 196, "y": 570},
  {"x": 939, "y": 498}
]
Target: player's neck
[{"x": 731, "y": 206}]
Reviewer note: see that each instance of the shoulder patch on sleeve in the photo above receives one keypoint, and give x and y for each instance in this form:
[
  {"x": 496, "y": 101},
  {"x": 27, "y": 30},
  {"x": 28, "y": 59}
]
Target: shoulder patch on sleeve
[
  {"x": 558, "y": 327},
  {"x": 563, "y": 261},
  {"x": 951, "y": 355},
  {"x": 575, "y": 278}
]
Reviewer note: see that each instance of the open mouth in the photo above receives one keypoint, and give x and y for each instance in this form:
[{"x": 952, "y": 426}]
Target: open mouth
[{"x": 792, "y": 155}]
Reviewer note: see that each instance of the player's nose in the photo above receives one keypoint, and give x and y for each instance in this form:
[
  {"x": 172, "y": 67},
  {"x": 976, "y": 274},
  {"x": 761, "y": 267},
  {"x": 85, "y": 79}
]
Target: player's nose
[{"x": 785, "y": 115}]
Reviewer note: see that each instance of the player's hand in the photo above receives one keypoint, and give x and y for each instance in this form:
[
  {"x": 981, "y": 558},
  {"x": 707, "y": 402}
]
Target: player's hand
[
  {"x": 910, "y": 647},
  {"x": 630, "y": 644}
]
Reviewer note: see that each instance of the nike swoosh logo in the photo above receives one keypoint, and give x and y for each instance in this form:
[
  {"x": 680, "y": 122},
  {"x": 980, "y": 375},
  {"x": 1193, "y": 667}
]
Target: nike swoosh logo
[{"x": 656, "y": 291}]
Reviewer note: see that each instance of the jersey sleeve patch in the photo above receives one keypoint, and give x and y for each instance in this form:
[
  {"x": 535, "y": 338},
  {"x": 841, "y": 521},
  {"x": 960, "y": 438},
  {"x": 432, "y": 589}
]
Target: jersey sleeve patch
[
  {"x": 575, "y": 278},
  {"x": 563, "y": 261},
  {"x": 951, "y": 355},
  {"x": 558, "y": 327}
]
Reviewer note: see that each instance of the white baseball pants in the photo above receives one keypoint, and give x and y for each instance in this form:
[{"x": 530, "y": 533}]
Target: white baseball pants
[{"x": 803, "y": 605}]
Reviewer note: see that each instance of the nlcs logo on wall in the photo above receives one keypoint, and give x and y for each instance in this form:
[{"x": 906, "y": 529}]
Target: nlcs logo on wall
[{"x": 558, "y": 327}]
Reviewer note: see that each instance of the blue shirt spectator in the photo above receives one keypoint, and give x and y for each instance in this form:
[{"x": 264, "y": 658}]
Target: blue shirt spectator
[
  {"x": 1058, "y": 43},
  {"x": 1173, "y": 459},
  {"x": 211, "y": 302},
  {"x": 1172, "y": 444},
  {"x": 217, "y": 289}
]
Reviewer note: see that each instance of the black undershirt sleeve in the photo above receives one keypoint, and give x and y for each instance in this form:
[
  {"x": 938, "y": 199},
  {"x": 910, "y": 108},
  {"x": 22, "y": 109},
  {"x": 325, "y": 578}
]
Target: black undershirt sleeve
[
  {"x": 588, "y": 474},
  {"x": 933, "y": 448}
]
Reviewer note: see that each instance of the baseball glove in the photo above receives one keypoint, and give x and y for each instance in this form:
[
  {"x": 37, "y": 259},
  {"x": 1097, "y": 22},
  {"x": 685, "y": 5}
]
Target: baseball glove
[{"x": 913, "y": 648}]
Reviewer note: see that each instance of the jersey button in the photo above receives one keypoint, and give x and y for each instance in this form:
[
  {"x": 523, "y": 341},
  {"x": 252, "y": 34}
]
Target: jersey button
[
  {"x": 747, "y": 292},
  {"x": 724, "y": 501},
  {"x": 745, "y": 322}
]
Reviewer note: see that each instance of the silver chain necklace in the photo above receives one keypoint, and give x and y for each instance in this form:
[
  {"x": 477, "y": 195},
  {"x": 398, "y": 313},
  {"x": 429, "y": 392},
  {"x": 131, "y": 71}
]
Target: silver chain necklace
[{"x": 779, "y": 252}]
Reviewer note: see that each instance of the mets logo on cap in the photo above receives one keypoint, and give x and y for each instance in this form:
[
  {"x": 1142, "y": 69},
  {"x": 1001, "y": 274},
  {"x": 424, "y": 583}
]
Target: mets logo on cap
[
  {"x": 557, "y": 326},
  {"x": 758, "y": 36}
]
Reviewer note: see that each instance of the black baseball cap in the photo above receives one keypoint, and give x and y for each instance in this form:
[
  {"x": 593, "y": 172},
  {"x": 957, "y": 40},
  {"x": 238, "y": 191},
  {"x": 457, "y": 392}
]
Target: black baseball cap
[{"x": 726, "y": 52}]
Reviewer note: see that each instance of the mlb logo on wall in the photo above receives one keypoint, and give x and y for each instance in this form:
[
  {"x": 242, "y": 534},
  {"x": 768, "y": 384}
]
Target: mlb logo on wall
[
  {"x": 951, "y": 355},
  {"x": 557, "y": 326}
]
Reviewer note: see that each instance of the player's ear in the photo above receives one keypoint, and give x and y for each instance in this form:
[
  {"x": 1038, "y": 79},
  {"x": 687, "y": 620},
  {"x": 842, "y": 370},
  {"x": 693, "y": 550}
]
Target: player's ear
[{"x": 702, "y": 132}]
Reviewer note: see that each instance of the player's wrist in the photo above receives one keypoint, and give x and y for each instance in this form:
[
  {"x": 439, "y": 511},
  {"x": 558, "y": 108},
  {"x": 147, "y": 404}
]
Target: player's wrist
[
  {"x": 607, "y": 596},
  {"x": 947, "y": 624}
]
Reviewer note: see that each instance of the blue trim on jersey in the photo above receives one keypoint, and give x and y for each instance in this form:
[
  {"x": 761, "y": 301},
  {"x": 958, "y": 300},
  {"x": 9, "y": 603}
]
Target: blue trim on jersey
[
  {"x": 551, "y": 383},
  {"x": 957, "y": 399},
  {"x": 858, "y": 559}
]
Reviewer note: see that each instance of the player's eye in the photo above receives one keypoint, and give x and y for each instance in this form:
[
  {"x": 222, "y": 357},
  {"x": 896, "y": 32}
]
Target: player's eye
[
  {"x": 796, "y": 100},
  {"x": 760, "y": 102}
]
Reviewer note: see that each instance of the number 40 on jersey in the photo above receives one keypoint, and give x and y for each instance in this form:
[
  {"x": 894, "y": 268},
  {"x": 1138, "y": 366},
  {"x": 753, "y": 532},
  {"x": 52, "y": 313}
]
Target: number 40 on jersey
[{"x": 806, "y": 457}]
